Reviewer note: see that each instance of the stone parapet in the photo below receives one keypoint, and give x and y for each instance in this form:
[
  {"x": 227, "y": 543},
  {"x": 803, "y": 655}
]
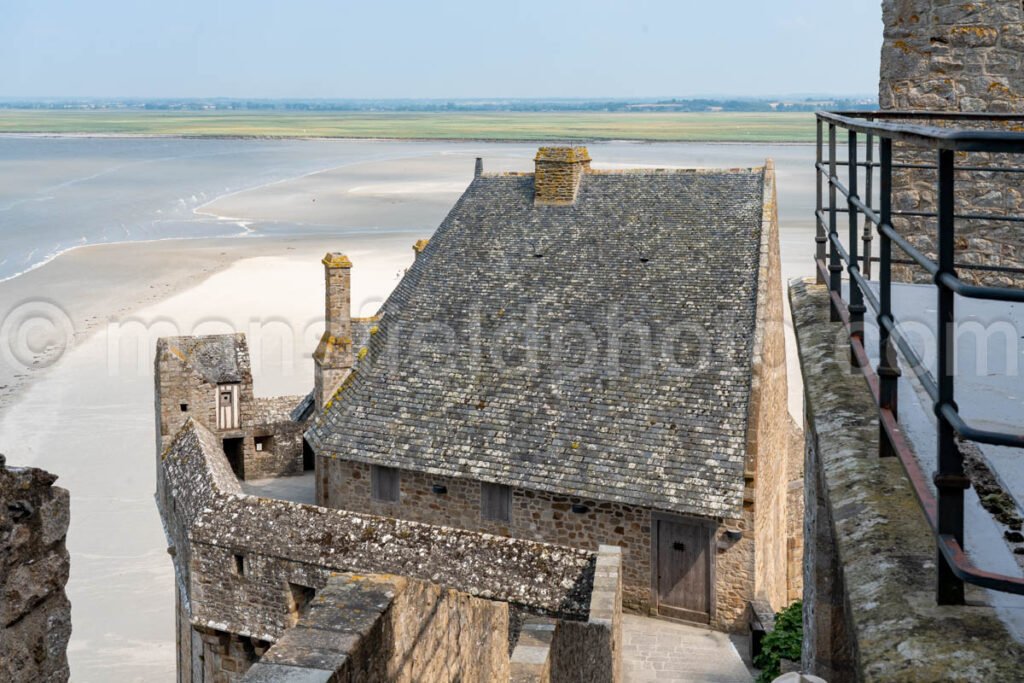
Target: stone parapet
[
  {"x": 869, "y": 599},
  {"x": 237, "y": 568},
  {"x": 592, "y": 650},
  {"x": 388, "y": 628}
]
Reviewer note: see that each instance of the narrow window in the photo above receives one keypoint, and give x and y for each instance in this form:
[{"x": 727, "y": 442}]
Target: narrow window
[
  {"x": 496, "y": 502},
  {"x": 385, "y": 483},
  {"x": 240, "y": 565}
]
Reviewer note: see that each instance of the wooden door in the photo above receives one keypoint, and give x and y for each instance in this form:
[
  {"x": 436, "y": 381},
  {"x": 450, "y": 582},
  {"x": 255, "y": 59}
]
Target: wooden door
[{"x": 683, "y": 566}]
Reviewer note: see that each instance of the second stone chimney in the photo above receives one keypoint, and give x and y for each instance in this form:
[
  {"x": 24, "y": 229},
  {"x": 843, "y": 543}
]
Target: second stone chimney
[
  {"x": 333, "y": 356},
  {"x": 558, "y": 172}
]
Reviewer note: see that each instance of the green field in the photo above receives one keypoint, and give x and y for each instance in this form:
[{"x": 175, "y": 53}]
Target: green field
[{"x": 705, "y": 127}]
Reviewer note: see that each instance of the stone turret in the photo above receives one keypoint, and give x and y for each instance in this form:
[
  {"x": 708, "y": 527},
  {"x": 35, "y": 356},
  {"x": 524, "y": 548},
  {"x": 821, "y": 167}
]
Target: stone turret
[
  {"x": 333, "y": 356},
  {"x": 558, "y": 173},
  {"x": 478, "y": 169}
]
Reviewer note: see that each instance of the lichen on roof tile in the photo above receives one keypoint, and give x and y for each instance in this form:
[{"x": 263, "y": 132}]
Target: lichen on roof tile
[{"x": 622, "y": 324}]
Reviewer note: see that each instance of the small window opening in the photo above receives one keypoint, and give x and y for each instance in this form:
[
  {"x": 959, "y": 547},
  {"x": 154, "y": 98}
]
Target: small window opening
[
  {"x": 240, "y": 565},
  {"x": 184, "y": 407},
  {"x": 385, "y": 484},
  {"x": 496, "y": 502}
]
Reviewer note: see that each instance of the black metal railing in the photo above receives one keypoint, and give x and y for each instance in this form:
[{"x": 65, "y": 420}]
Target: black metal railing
[{"x": 958, "y": 134}]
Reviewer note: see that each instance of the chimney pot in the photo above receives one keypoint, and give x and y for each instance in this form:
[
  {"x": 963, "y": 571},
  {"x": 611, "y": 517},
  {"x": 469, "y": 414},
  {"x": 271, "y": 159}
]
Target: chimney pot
[{"x": 478, "y": 170}]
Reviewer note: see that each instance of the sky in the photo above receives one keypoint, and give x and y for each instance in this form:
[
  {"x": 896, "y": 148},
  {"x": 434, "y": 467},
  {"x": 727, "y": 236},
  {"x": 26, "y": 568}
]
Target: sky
[{"x": 437, "y": 48}]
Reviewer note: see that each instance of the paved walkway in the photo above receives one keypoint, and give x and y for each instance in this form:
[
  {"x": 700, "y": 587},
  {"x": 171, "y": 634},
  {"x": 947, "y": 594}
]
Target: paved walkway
[
  {"x": 656, "y": 650},
  {"x": 299, "y": 489}
]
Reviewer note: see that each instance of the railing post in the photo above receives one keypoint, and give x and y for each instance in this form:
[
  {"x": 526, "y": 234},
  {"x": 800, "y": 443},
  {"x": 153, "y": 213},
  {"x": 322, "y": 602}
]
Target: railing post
[
  {"x": 819, "y": 230},
  {"x": 856, "y": 306},
  {"x": 949, "y": 476},
  {"x": 888, "y": 363},
  {"x": 869, "y": 189},
  {"x": 835, "y": 268}
]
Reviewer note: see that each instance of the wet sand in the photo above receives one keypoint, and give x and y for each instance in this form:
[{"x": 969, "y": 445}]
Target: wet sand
[{"x": 89, "y": 418}]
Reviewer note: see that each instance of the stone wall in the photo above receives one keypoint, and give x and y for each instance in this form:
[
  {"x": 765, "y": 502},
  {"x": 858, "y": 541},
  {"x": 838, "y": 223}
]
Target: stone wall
[
  {"x": 388, "y": 628},
  {"x": 957, "y": 57},
  {"x": 592, "y": 650},
  {"x": 35, "y": 615},
  {"x": 939, "y": 55},
  {"x": 768, "y": 437},
  {"x": 547, "y": 518},
  {"x": 869, "y": 600},
  {"x": 241, "y": 579},
  {"x": 795, "y": 515}
]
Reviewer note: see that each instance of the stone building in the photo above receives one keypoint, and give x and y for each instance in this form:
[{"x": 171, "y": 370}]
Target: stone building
[
  {"x": 586, "y": 357},
  {"x": 35, "y": 615},
  {"x": 475, "y": 458},
  {"x": 209, "y": 378}
]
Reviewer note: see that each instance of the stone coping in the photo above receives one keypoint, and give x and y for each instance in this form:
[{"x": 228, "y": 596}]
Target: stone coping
[
  {"x": 213, "y": 510},
  {"x": 884, "y": 545}
]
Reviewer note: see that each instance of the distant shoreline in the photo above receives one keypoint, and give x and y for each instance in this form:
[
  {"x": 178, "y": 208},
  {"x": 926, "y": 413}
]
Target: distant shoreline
[
  {"x": 515, "y": 127},
  {"x": 523, "y": 141}
]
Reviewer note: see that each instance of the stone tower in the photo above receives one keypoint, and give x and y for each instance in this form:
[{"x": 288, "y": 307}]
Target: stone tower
[
  {"x": 333, "y": 356},
  {"x": 557, "y": 174},
  {"x": 957, "y": 57}
]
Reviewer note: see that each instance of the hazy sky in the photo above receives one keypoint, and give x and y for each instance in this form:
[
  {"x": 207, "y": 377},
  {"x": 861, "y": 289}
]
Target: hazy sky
[{"x": 437, "y": 48}]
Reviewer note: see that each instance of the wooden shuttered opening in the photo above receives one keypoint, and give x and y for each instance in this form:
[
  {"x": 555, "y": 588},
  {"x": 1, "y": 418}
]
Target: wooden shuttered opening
[
  {"x": 496, "y": 502},
  {"x": 227, "y": 407},
  {"x": 385, "y": 483}
]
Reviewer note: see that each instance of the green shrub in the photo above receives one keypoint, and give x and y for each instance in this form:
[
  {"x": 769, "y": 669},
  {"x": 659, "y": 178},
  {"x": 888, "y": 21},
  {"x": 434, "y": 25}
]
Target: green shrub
[{"x": 782, "y": 643}]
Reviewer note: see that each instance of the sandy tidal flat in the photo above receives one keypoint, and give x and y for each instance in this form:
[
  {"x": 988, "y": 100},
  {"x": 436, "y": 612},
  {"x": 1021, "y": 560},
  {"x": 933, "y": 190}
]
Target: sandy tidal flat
[{"x": 89, "y": 419}]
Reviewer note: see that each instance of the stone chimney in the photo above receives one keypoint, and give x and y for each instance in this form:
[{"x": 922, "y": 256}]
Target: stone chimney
[
  {"x": 419, "y": 247},
  {"x": 478, "y": 170},
  {"x": 333, "y": 356},
  {"x": 558, "y": 172}
]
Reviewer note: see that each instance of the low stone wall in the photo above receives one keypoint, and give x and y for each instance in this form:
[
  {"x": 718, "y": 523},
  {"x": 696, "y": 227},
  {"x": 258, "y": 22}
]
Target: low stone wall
[
  {"x": 592, "y": 650},
  {"x": 388, "y": 628},
  {"x": 248, "y": 557},
  {"x": 35, "y": 615},
  {"x": 869, "y": 601}
]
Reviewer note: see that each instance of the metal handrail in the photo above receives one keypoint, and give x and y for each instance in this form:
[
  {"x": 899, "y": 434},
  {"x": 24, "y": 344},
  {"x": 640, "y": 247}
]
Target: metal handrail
[{"x": 944, "y": 511}]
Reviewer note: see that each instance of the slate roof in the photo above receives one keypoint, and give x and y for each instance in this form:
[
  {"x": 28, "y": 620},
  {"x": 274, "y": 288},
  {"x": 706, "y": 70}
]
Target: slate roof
[
  {"x": 217, "y": 358},
  {"x": 496, "y": 355}
]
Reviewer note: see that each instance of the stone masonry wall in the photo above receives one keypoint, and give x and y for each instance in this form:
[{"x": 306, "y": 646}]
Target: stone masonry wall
[
  {"x": 592, "y": 650},
  {"x": 388, "y": 628},
  {"x": 869, "y": 605},
  {"x": 947, "y": 56},
  {"x": 243, "y": 580},
  {"x": 795, "y": 515},
  {"x": 547, "y": 518},
  {"x": 35, "y": 615},
  {"x": 768, "y": 437}
]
